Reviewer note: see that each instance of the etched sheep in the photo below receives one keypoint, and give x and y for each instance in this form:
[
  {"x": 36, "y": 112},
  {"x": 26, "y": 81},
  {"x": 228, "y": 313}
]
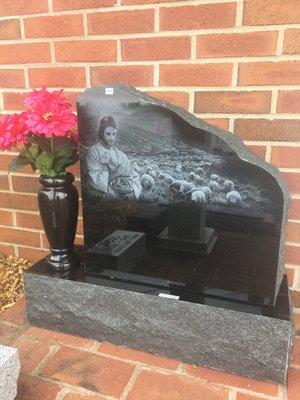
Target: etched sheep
[
  {"x": 228, "y": 185},
  {"x": 233, "y": 197},
  {"x": 198, "y": 197}
]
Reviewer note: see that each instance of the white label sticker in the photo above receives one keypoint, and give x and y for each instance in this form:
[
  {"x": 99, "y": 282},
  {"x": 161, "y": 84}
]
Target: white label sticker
[
  {"x": 109, "y": 90},
  {"x": 169, "y": 296}
]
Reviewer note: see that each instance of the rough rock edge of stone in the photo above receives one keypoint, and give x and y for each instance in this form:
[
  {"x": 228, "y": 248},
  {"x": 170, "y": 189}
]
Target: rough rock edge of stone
[
  {"x": 9, "y": 372},
  {"x": 236, "y": 144},
  {"x": 76, "y": 316}
]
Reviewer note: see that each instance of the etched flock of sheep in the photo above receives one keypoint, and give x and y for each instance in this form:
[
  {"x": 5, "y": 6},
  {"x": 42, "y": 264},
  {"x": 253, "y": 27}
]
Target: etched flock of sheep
[{"x": 196, "y": 186}]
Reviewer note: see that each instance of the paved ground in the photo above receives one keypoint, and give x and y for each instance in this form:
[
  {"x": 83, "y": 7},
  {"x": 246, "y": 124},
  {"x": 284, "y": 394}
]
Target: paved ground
[{"x": 57, "y": 366}]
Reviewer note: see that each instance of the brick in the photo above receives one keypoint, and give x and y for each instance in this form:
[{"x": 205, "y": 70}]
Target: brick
[
  {"x": 295, "y": 209},
  {"x": 265, "y": 129},
  {"x": 195, "y": 75},
  {"x": 197, "y": 17},
  {"x": 21, "y": 7},
  {"x": 291, "y": 43},
  {"x": 224, "y": 378},
  {"x": 295, "y": 298},
  {"x": 260, "y": 151},
  {"x": 180, "y": 99},
  {"x": 19, "y": 201},
  {"x": 129, "y": 2},
  {"x": 8, "y": 333},
  {"x": 293, "y": 384},
  {"x": 28, "y": 220},
  {"x": 271, "y": 12},
  {"x": 292, "y": 255},
  {"x": 63, "y": 5},
  {"x": 16, "y": 314},
  {"x": 154, "y": 385},
  {"x": 297, "y": 323},
  {"x": 13, "y": 101},
  {"x": 5, "y": 159},
  {"x": 10, "y": 29},
  {"x": 242, "y": 396},
  {"x": 4, "y": 182},
  {"x": 90, "y": 371},
  {"x": 12, "y": 78},
  {"x": 237, "y": 44},
  {"x": 33, "y": 255},
  {"x": 137, "y": 75},
  {"x": 57, "y": 77},
  {"x": 293, "y": 232},
  {"x": 286, "y": 156},
  {"x": 232, "y": 102},
  {"x": 79, "y": 240},
  {"x": 163, "y": 48},
  {"x": 25, "y": 53},
  {"x": 269, "y": 73},
  {"x": 296, "y": 352},
  {"x": 31, "y": 353},
  {"x": 290, "y": 273},
  {"x": 288, "y": 101},
  {"x": 293, "y": 181},
  {"x": 80, "y": 227},
  {"x": 54, "y": 26},
  {"x": 116, "y": 22},
  {"x": 75, "y": 170},
  {"x": 18, "y": 236},
  {"x": 139, "y": 356},
  {"x": 6, "y": 249},
  {"x": 58, "y": 337},
  {"x": 222, "y": 123},
  {"x": 45, "y": 242},
  {"x": 72, "y": 97},
  {"x": 32, "y": 387},
  {"x": 26, "y": 184},
  {"x": 5, "y": 218},
  {"x": 86, "y": 50},
  {"x": 77, "y": 396}
]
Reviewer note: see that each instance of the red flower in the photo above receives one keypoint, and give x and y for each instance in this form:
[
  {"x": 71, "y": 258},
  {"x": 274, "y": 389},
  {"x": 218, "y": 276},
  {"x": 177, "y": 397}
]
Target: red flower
[
  {"x": 43, "y": 96},
  {"x": 49, "y": 114},
  {"x": 13, "y": 130}
]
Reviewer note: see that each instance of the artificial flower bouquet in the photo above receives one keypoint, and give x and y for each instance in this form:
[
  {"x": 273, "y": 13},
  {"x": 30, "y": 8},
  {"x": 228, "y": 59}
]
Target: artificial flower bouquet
[{"x": 44, "y": 134}]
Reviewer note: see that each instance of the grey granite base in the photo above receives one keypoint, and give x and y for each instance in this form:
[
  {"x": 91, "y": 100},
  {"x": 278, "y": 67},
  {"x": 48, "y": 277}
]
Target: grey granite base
[
  {"x": 238, "y": 342},
  {"x": 9, "y": 372}
]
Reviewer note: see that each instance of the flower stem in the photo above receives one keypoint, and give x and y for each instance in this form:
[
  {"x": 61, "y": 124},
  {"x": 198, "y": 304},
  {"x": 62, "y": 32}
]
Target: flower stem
[{"x": 52, "y": 145}]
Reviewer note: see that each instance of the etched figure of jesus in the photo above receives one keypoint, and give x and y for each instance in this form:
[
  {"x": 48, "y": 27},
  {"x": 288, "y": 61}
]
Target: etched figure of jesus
[{"x": 109, "y": 169}]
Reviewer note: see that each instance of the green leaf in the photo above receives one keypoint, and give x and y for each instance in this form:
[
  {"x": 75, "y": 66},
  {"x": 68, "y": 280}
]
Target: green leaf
[
  {"x": 63, "y": 152},
  {"x": 64, "y": 142},
  {"x": 40, "y": 141},
  {"x": 31, "y": 152},
  {"x": 61, "y": 164},
  {"x": 44, "y": 163},
  {"x": 18, "y": 163}
]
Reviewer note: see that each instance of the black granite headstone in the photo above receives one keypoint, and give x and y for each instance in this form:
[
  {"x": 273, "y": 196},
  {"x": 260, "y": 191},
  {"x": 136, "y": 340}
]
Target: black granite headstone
[
  {"x": 184, "y": 241},
  {"x": 212, "y": 213}
]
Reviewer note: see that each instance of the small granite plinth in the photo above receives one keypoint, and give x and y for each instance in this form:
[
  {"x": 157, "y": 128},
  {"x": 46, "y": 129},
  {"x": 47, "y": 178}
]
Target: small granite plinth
[
  {"x": 245, "y": 342},
  {"x": 9, "y": 372},
  {"x": 119, "y": 251},
  {"x": 204, "y": 245}
]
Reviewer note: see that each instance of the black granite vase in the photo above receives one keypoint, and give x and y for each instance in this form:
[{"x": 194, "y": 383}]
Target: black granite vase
[{"x": 58, "y": 205}]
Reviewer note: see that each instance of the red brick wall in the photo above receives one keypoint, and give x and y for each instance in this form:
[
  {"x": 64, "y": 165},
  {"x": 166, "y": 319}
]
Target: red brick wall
[{"x": 232, "y": 62}]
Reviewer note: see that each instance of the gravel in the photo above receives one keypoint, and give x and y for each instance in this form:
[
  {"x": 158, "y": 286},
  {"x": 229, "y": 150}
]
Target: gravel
[{"x": 11, "y": 279}]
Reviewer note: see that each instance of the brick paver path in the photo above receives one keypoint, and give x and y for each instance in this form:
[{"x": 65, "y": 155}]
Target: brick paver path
[{"x": 58, "y": 366}]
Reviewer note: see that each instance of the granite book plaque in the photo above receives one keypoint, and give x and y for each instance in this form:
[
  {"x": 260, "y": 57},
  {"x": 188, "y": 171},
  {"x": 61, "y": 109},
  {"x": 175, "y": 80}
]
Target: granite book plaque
[{"x": 169, "y": 198}]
